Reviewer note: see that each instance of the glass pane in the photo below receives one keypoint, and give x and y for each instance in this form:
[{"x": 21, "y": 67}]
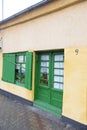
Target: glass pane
[
  {"x": 58, "y": 79},
  {"x": 61, "y": 86},
  {"x": 22, "y": 76},
  {"x": 24, "y": 58},
  {"x": 58, "y": 72},
  {"x": 23, "y": 68},
  {"x": 18, "y": 66},
  {"x": 17, "y": 72},
  {"x": 46, "y": 64},
  {"x": 44, "y": 76},
  {"x": 45, "y": 57},
  {"x": 58, "y": 58},
  {"x": 20, "y": 59},
  {"x": 44, "y": 82},
  {"x": 58, "y": 86},
  {"x": 44, "y": 70},
  {"x": 58, "y": 65},
  {"x": 20, "y": 73}
]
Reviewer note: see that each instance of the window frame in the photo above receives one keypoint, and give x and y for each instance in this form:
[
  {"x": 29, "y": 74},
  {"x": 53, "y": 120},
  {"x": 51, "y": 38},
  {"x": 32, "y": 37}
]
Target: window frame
[{"x": 20, "y": 65}]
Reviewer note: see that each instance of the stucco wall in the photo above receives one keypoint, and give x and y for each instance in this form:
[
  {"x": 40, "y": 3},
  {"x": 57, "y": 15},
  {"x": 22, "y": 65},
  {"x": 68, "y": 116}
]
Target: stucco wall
[
  {"x": 65, "y": 28},
  {"x": 75, "y": 85}
]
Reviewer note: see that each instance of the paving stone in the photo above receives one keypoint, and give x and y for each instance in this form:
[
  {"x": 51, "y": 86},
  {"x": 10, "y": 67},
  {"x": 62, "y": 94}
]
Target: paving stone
[{"x": 17, "y": 116}]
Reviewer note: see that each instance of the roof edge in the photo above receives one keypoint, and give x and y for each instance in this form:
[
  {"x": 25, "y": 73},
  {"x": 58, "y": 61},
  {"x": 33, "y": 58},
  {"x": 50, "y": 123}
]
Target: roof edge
[{"x": 35, "y": 6}]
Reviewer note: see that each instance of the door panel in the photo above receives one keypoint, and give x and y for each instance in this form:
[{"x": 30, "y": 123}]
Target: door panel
[
  {"x": 44, "y": 95},
  {"x": 50, "y": 78},
  {"x": 56, "y": 98}
]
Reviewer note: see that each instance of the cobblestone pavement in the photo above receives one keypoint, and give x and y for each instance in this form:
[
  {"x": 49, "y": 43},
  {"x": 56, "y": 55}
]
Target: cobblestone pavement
[{"x": 17, "y": 116}]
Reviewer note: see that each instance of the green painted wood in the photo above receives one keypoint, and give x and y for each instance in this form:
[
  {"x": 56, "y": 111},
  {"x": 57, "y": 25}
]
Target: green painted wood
[
  {"x": 48, "y": 107},
  {"x": 47, "y": 94},
  {"x": 29, "y": 57},
  {"x": 8, "y": 67},
  {"x": 5, "y": 71}
]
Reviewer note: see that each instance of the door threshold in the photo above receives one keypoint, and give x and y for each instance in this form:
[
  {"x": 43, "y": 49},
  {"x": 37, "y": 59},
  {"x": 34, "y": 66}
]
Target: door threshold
[{"x": 47, "y": 107}]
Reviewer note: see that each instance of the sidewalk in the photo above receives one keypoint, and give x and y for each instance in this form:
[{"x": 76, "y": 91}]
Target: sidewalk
[{"x": 17, "y": 116}]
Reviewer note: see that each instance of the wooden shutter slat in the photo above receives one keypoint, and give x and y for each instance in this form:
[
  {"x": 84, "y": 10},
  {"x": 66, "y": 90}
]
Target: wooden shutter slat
[
  {"x": 8, "y": 67},
  {"x": 29, "y": 70}
]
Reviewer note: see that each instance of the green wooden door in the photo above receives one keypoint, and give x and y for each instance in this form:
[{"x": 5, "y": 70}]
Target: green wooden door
[{"x": 49, "y": 80}]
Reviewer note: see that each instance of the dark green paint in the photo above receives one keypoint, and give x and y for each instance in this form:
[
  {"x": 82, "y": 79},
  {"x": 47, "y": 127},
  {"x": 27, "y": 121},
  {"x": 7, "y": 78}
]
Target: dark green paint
[
  {"x": 8, "y": 68},
  {"x": 29, "y": 57},
  {"x": 9, "y": 64},
  {"x": 46, "y": 96}
]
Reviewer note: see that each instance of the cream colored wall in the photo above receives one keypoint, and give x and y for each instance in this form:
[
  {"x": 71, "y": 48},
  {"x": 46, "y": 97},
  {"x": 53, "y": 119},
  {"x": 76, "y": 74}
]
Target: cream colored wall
[
  {"x": 75, "y": 85},
  {"x": 15, "y": 89},
  {"x": 65, "y": 28},
  {"x": 42, "y": 10}
]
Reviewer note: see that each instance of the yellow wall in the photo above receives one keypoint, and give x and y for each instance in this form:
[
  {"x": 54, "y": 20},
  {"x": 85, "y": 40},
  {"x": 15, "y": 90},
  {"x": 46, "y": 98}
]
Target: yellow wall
[
  {"x": 64, "y": 28},
  {"x": 15, "y": 89},
  {"x": 48, "y": 8},
  {"x": 75, "y": 85}
]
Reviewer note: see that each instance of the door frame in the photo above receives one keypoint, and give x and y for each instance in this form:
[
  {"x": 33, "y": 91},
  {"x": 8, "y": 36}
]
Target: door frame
[{"x": 39, "y": 104}]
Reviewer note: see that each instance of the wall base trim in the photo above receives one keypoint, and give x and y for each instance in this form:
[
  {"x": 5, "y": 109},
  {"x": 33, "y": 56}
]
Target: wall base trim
[
  {"x": 15, "y": 97},
  {"x": 77, "y": 125}
]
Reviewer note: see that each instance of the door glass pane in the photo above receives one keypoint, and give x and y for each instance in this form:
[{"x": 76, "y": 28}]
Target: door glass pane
[
  {"x": 58, "y": 79},
  {"x": 46, "y": 64},
  {"x": 61, "y": 86},
  {"x": 58, "y": 58},
  {"x": 58, "y": 72},
  {"x": 44, "y": 70},
  {"x": 44, "y": 57},
  {"x": 58, "y": 86},
  {"x": 44, "y": 82},
  {"x": 58, "y": 65},
  {"x": 44, "y": 76}
]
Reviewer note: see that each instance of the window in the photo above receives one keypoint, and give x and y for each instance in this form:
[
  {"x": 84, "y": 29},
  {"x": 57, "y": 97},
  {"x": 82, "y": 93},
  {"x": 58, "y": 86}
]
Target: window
[
  {"x": 20, "y": 69},
  {"x": 17, "y": 69}
]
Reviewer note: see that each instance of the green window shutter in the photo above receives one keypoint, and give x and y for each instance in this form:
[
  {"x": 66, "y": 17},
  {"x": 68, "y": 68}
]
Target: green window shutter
[
  {"x": 8, "y": 67},
  {"x": 29, "y": 56},
  {"x": 5, "y": 68}
]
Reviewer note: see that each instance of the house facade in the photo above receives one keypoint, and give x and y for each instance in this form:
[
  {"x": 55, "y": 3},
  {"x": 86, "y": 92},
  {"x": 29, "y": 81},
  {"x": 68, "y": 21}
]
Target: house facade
[{"x": 43, "y": 58}]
